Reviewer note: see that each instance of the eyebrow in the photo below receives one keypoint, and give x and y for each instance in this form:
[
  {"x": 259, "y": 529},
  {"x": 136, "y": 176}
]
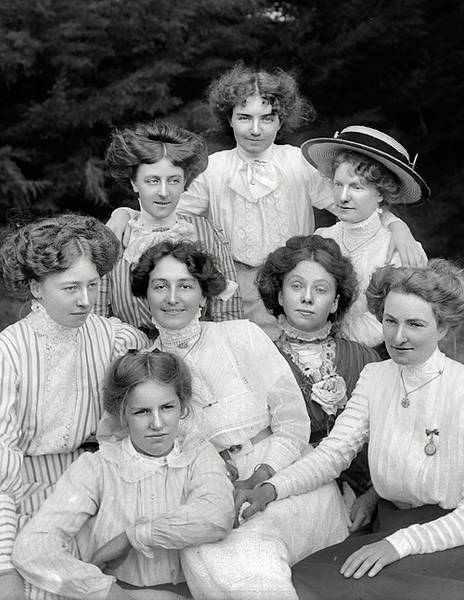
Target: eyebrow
[
  {"x": 412, "y": 320},
  {"x": 167, "y": 280},
  {"x": 68, "y": 281},
  {"x": 247, "y": 114},
  {"x": 318, "y": 281}
]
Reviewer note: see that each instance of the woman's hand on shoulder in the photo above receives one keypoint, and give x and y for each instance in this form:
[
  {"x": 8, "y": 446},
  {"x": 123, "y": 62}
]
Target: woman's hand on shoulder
[
  {"x": 369, "y": 559},
  {"x": 402, "y": 240},
  {"x": 12, "y": 587},
  {"x": 118, "y": 223}
]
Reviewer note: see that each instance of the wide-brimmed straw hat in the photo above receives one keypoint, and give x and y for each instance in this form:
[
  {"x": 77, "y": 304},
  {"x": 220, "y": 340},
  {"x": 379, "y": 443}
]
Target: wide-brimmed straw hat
[{"x": 380, "y": 146}]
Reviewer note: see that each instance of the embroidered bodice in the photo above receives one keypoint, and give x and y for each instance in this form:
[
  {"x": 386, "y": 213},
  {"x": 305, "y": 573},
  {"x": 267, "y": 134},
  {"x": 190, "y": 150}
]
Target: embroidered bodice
[
  {"x": 241, "y": 386},
  {"x": 355, "y": 237},
  {"x": 60, "y": 381}
]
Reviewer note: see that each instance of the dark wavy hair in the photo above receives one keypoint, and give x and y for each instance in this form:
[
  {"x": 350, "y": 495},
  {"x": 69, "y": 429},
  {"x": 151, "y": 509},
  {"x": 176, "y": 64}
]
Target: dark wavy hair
[
  {"x": 372, "y": 171},
  {"x": 440, "y": 284},
  {"x": 315, "y": 248},
  {"x": 200, "y": 264},
  {"x": 134, "y": 368},
  {"x": 148, "y": 143},
  {"x": 52, "y": 245},
  {"x": 278, "y": 87}
]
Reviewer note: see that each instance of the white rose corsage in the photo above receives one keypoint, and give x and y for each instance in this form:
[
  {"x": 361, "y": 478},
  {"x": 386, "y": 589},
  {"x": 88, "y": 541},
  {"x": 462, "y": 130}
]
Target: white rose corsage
[{"x": 330, "y": 393}]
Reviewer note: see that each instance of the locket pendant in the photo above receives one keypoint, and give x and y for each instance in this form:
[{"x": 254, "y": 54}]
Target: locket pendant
[
  {"x": 430, "y": 449},
  {"x": 405, "y": 402}
]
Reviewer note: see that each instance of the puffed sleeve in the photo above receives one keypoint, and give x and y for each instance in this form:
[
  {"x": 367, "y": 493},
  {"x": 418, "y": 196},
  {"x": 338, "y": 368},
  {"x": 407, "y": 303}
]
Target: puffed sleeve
[
  {"x": 195, "y": 200},
  {"x": 127, "y": 337},
  {"x": 319, "y": 188},
  {"x": 103, "y": 303},
  {"x": 10, "y": 456},
  {"x": 41, "y": 550},
  {"x": 206, "y": 516},
  {"x": 216, "y": 243},
  {"x": 335, "y": 452},
  {"x": 290, "y": 422}
]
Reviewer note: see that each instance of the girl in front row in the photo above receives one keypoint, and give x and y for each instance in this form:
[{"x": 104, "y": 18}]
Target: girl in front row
[{"x": 127, "y": 509}]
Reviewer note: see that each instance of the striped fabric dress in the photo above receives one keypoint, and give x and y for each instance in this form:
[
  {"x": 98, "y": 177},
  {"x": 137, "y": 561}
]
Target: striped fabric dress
[
  {"x": 50, "y": 405},
  {"x": 163, "y": 503}
]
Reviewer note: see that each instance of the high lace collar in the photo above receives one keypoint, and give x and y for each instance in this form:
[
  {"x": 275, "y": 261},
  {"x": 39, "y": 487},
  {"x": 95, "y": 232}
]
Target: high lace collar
[
  {"x": 45, "y": 325},
  {"x": 366, "y": 227},
  {"x": 183, "y": 339},
  {"x": 355, "y": 236},
  {"x": 294, "y": 334},
  {"x": 433, "y": 364}
]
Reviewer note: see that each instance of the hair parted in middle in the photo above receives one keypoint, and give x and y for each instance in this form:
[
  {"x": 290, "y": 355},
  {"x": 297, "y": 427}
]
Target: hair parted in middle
[
  {"x": 278, "y": 87},
  {"x": 134, "y": 368},
  {"x": 148, "y": 143},
  {"x": 315, "y": 248},
  {"x": 201, "y": 264}
]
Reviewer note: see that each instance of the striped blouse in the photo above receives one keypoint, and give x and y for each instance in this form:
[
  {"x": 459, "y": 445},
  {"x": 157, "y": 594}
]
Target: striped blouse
[
  {"x": 115, "y": 297},
  {"x": 163, "y": 503},
  {"x": 401, "y": 470},
  {"x": 50, "y": 405}
]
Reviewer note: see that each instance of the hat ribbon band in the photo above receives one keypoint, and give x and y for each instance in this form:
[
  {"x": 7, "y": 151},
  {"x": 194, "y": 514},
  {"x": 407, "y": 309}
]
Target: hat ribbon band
[{"x": 375, "y": 144}]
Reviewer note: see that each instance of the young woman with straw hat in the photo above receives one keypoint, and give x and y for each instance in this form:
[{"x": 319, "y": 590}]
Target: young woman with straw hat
[{"x": 370, "y": 170}]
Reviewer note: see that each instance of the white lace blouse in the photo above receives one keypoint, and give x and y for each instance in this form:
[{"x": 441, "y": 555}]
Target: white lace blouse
[
  {"x": 400, "y": 468},
  {"x": 366, "y": 244},
  {"x": 259, "y": 203},
  {"x": 242, "y": 385}
]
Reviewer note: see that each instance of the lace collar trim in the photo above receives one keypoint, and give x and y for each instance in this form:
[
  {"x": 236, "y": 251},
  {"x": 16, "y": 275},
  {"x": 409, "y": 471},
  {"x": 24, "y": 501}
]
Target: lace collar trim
[
  {"x": 46, "y": 326},
  {"x": 363, "y": 228},
  {"x": 150, "y": 222},
  {"x": 184, "y": 338},
  {"x": 294, "y": 334},
  {"x": 433, "y": 364}
]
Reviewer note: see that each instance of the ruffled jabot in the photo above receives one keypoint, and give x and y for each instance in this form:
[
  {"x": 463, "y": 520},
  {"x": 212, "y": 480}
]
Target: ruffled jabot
[
  {"x": 256, "y": 177},
  {"x": 148, "y": 231}
]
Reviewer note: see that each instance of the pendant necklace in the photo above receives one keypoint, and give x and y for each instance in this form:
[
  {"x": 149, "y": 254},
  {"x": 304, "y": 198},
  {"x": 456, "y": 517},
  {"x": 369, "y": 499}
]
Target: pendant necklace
[
  {"x": 405, "y": 402},
  {"x": 430, "y": 448}
]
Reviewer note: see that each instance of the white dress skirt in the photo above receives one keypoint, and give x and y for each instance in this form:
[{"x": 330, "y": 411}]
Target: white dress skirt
[{"x": 254, "y": 561}]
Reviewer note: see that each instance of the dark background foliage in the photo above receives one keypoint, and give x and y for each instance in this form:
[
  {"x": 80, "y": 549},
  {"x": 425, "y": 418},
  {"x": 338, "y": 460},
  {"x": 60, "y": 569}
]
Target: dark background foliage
[{"x": 72, "y": 69}]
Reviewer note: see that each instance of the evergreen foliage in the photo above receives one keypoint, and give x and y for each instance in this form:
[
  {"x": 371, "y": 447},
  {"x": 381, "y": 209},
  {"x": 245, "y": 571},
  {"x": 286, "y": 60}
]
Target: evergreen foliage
[{"x": 72, "y": 69}]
